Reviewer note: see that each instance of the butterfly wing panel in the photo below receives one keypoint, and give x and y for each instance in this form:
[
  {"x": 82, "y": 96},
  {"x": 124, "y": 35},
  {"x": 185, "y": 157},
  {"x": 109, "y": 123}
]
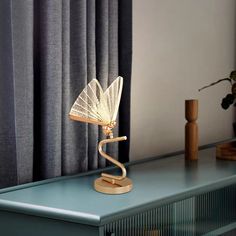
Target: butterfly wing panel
[
  {"x": 113, "y": 96},
  {"x": 90, "y": 106}
]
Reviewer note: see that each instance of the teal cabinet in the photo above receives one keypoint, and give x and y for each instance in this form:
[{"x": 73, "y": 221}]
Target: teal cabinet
[{"x": 170, "y": 197}]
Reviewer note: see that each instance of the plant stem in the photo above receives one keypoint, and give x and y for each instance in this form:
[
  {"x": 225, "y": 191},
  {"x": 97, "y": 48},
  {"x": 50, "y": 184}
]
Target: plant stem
[{"x": 215, "y": 83}]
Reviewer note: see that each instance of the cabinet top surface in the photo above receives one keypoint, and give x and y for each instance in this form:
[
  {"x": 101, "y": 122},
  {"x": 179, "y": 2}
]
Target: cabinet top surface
[{"x": 155, "y": 183}]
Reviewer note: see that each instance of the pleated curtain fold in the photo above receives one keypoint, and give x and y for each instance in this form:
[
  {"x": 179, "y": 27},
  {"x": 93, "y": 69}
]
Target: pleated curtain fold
[{"x": 49, "y": 51}]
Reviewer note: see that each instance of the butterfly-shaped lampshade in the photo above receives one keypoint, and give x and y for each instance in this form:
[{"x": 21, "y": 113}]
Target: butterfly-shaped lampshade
[{"x": 96, "y": 106}]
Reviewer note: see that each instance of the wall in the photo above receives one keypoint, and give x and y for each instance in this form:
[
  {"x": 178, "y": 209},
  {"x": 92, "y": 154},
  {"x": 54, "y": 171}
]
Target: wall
[{"x": 178, "y": 47}]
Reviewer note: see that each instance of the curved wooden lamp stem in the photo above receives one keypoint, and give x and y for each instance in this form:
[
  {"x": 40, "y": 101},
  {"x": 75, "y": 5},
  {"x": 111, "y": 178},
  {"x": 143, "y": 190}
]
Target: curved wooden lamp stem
[{"x": 108, "y": 177}]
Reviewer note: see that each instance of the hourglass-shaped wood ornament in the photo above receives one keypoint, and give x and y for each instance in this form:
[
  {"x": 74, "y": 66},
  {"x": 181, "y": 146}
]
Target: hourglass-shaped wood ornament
[
  {"x": 96, "y": 106},
  {"x": 191, "y": 130}
]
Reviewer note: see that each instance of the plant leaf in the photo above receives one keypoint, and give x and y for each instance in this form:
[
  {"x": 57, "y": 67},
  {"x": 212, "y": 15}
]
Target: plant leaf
[{"x": 233, "y": 75}]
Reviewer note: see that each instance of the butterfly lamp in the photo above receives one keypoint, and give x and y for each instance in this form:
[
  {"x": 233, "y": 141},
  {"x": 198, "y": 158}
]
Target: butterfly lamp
[{"x": 99, "y": 107}]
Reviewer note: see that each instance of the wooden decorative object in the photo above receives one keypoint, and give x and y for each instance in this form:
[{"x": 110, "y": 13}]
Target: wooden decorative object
[
  {"x": 226, "y": 151},
  {"x": 191, "y": 130},
  {"x": 99, "y": 107}
]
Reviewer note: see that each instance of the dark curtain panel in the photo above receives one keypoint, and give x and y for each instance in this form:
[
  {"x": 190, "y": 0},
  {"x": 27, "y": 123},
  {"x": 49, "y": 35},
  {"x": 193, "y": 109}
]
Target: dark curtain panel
[
  {"x": 49, "y": 51},
  {"x": 125, "y": 59}
]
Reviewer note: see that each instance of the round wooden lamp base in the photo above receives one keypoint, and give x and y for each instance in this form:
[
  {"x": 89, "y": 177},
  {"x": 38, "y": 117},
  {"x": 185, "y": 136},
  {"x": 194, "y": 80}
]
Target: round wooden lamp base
[{"x": 120, "y": 186}]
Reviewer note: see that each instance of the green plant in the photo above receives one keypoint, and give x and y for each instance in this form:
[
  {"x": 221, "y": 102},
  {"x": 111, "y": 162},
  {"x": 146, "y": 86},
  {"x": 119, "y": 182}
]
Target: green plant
[{"x": 230, "y": 97}]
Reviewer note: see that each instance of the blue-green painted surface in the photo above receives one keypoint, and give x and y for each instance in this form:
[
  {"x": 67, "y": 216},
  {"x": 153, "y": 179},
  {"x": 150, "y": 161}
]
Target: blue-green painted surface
[
  {"x": 155, "y": 183},
  {"x": 14, "y": 224},
  {"x": 222, "y": 230}
]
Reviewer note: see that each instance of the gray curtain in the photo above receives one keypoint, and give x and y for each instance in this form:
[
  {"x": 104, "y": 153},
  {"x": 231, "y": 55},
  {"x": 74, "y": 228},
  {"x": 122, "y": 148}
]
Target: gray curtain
[{"x": 49, "y": 51}]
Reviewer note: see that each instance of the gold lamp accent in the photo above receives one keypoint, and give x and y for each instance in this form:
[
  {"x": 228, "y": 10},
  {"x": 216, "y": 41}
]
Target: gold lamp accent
[{"x": 95, "y": 106}]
